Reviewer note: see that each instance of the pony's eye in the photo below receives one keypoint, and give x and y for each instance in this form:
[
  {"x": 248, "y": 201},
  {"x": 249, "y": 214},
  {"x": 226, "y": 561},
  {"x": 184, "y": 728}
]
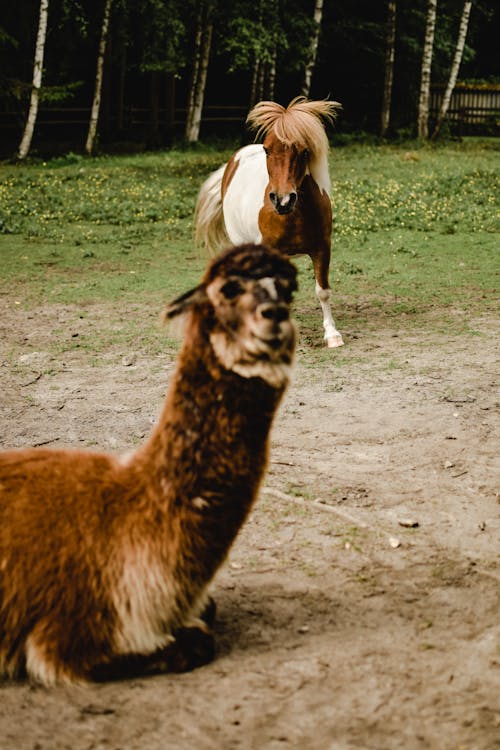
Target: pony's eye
[
  {"x": 231, "y": 289},
  {"x": 266, "y": 151},
  {"x": 305, "y": 154}
]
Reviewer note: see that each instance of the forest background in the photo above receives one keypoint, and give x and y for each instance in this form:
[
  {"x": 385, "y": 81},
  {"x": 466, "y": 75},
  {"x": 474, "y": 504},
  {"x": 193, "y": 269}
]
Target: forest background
[{"x": 121, "y": 75}]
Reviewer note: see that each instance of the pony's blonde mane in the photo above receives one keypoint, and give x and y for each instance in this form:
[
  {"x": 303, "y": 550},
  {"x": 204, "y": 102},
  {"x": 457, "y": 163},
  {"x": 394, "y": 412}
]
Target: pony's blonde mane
[{"x": 301, "y": 123}]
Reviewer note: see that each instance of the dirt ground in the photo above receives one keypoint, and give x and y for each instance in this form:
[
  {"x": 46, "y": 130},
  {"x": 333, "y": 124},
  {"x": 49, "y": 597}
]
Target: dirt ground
[{"x": 359, "y": 607}]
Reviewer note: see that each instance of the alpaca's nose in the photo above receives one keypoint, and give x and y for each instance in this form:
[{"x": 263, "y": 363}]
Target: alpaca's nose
[
  {"x": 283, "y": 203},
  {"x": 276, "y": 313}
]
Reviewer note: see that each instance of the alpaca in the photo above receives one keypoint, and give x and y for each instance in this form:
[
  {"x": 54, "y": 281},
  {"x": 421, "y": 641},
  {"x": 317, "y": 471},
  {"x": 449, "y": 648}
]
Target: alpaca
[{"x": 105, "y": 560}]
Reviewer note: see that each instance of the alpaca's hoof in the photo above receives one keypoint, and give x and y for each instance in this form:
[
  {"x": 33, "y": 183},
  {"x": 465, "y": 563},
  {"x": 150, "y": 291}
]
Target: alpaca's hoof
[{"x": 333, "y": 341}]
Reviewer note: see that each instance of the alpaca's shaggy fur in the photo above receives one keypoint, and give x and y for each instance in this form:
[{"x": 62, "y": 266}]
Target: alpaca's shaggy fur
[{"x": 104, "y": 560}]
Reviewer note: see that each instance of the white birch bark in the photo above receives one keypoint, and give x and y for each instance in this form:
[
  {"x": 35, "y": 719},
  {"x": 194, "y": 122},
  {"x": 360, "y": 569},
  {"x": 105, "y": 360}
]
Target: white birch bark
[
  {"x": 425, "y": 80},
  {"x": 255, "y": 78},
  {"x": 96, "y": 104},
  {"x": 194, "y": 74},
  {"x": 194, "y": 130},
  {"x": 313, "y": 50},
  {"x": 455, "y": 66},
  {"x": 390, "y": 53},
  {"x": 29, "y": 128},
  {"x": 271, "y": 77}
]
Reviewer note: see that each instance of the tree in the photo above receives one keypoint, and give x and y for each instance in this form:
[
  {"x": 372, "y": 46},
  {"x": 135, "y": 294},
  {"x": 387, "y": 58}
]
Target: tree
[
  {"x": 425, "y": 77},
  {"x": 162, "y": 54},
  {"x": 313, "y": 49},
  {"x": 96, "y": 104},
  {"x": 25, "y": 144},
  {"x": 202, "y": 45},
  {"x": 390, "y": 53},
  {"x": 455, "y": 66}
]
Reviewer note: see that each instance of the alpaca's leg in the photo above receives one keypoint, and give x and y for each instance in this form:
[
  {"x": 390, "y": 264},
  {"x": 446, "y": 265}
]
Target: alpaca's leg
[
  {"x": 192, "y": 647},
  {"x": 43, "y": 660},
  {"x": 209, "y": 612}
]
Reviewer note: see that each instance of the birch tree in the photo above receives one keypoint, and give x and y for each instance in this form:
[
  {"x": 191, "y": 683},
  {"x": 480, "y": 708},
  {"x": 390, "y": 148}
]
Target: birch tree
[
  {"x": 25, "y": 144},
  {"x": 202, "y": 46},
  {"x": 425, "y": 78},
  {"x": 313, "y": 49},
  {"x": 455, "y": 66},
  {"x": 390, "y": 53},
  {"x": 254, "y": 38},
  {"x": 96, "y": 104}
]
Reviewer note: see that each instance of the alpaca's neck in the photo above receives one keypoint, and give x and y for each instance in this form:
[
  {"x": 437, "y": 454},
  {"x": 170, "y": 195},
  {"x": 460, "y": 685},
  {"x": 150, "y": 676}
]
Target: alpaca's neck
[{"x": 208, "y": 453}]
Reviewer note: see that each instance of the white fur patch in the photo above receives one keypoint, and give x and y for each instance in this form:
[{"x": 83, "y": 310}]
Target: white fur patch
[
  {"x": 269, "y": 284},
  {"x": 245, "y": 195},
  {"x": 144, "y": 597},
  {"x": 200, "y": 503},
  {"x": 277, "y": 375},
  {"x": 231, "y": 355},
  {"x": 320, "y": 174},
  {"x": 328, "y": 321},
  {"x": 40, "y": 668}
]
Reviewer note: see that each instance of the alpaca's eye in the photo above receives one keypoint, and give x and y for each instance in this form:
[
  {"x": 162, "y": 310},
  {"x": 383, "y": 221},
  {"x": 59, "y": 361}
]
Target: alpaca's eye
[
  {"x": 286, "y": 291},
  {"x": 232, "y": 289}
]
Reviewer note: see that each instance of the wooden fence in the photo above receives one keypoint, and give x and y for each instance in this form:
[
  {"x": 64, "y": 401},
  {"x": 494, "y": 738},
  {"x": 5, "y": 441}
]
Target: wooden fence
[{"x": 472, "y": 110}]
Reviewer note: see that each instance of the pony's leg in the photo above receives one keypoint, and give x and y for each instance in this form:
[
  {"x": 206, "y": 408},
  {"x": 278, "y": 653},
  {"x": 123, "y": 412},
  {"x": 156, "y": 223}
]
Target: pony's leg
[{"x": 321, "y": 263}]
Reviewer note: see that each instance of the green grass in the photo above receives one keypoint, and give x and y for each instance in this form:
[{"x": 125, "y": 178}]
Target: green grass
[{"x": 414, "y": 230}]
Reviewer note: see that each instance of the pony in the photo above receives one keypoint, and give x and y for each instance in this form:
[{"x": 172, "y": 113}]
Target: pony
[{"x": 277, "y": 192}]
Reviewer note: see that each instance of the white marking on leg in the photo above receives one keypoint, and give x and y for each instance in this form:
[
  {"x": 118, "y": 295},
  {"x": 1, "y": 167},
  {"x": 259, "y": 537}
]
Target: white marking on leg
[{"x": 332, "y": 336}]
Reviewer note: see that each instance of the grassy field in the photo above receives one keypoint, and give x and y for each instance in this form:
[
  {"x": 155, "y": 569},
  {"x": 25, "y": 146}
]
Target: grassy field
[{"x": 413, "y": 230}]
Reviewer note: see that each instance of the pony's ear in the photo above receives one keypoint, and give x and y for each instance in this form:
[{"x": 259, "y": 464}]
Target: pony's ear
[{"x": 185, "y": 302}]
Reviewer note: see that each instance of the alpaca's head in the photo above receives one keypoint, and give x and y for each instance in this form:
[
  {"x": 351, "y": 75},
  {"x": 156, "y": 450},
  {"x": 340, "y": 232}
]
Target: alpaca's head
[{"x": 245, "y": 298}]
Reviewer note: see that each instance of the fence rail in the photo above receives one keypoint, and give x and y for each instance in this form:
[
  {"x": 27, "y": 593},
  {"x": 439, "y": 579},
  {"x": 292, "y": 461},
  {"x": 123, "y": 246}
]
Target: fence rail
[{"x": 471, "y": 109}]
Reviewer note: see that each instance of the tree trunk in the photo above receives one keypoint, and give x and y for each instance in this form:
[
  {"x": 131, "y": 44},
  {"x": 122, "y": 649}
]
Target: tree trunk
[
  {"x": 271, "y": 77},
  {"x": 193, "y": 131},
  {"x": 390, "y": 51},
  {"x": 25, "y": 144},
  {"x": 261, "y": 77},
  {"x": 120, "y": 121},
  {"x": 425, "y": 80},
  {"x": 153, "y": 139},
  {"x": 313, "y": 49},
  {"x": 457, "y": 59},
  {"x": 169, "y": 109},
  {"x": 94, "y": 115},
  {"x": 198, "y": 39},
  {"x": 255, "y": 78}
]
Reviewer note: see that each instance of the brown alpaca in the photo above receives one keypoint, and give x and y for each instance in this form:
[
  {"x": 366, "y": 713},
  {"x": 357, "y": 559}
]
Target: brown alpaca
[{"x": 105, "y": 560}]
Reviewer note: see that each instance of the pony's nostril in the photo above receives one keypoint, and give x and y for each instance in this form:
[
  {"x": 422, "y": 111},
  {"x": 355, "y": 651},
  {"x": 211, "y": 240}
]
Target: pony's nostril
[
  {"x": 293, "y": 198},
  {"x": 273, "y": 198}
]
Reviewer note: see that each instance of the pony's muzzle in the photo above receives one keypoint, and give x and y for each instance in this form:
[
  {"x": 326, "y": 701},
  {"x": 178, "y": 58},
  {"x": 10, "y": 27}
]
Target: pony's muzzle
[{"x": 283, "y": 203}]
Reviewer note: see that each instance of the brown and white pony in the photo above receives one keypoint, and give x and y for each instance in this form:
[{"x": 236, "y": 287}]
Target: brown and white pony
[{"x": 277, "y": 192}]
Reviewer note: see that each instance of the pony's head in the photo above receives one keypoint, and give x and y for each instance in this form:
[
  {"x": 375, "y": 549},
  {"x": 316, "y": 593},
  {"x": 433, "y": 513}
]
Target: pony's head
[{"x": 295, "y": 143}]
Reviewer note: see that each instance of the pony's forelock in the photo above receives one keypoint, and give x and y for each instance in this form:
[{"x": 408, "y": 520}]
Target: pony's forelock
[{"x": 301, "y": 123}]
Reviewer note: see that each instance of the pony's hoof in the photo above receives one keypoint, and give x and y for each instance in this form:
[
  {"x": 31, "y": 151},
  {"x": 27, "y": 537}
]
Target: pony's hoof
[{"x": 333, "y": 341}]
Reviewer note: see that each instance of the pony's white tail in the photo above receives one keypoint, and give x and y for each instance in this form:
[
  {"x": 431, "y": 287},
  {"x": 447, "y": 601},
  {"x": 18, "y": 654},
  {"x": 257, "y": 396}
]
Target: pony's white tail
[{"x": 209, "y": 228}]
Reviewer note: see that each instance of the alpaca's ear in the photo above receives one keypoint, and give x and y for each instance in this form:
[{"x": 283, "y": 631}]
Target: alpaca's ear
[{"x": 185, "y": 302}]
